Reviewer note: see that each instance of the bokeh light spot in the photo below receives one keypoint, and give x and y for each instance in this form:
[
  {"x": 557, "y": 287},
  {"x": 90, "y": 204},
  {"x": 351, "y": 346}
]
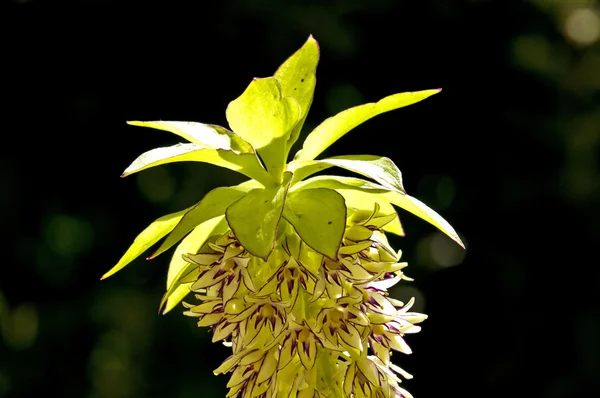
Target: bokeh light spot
[
  {"x": 68, "y": 235},
  {"x": 437, "y": 251},
  {"x": 24, "y": 326},
  {"x": 583, "y": 26},
  {"x": 444, "y": 251}
]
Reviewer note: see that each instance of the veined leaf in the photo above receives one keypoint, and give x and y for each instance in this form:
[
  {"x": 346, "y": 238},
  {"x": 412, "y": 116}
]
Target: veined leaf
[
  {"x": 264, "y": 117},
  {"x": 319, "y": 217},
  {"x": 212, "y": 205},
  {"x": 404, "y": 201},
  {"x": 360, "y": 200},
  {"x": 336, "y": 126},
  {"x": 204, "y": 135},
  {"x": 245, "y": 163},
  {"x": 190, "y": 244},
  {"x": 297, "y": 76},
  {"x": 152, "y": 234},
  {"x": 303, "y": 169},
  {"x": 379, "y": 168},
  {"x": 254, "y": 218}
]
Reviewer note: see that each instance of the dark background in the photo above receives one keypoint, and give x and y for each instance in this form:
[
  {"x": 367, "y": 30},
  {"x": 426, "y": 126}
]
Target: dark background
[{"x": 507, "y": 153}]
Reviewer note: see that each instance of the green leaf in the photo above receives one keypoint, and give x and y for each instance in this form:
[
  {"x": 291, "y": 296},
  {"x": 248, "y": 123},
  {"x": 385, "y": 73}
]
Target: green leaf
[
  {"x": 255, "y": 217},
  {"x": 245, "y": 163},
  {"x": 152, "y": 234},
  {"x": 204, "y": 135},
  {"x": 319, "y": 217},
  {"x": 404, "y": 201},
  {"x": 264, "y": 117},
  {"x": 381, "y": 169},
  {"x": 297, "y": 76},
  {"x": 359, "y": 200},
  {"x": 303, "y": 169},
  {"x": 190, "y": 244},
  {"x": 212, "y": 205},
  {"x": 336, "y": 126}
]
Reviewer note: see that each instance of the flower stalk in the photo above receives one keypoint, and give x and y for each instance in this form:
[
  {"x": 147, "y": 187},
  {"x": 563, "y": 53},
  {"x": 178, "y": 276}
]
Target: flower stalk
[{"x": 291, "y": 273}]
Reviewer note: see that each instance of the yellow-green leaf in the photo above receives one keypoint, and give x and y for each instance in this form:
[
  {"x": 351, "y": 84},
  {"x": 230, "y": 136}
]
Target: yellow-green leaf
[
  {"x": 245, "y": 163},
  {"x": 336, "y": 126},
  {"x": 297, "y": 76},
  {"x": 190, "y": 244},
  {"x": 254, "y": 218},
  {"x": 379, "y": 168},
  {"x": 264, "y": 117},
  {"x": 319, "y": 217},
  {"x": 152, "y": 234},
  {"x": 204, "y": 135},
  {"x": 212, "y": 205},
  {"x": 404, "y": 201}
]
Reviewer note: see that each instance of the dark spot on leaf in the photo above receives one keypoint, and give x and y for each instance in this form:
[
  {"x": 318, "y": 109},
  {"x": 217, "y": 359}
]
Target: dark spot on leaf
[
  {"x": 266, "y": 201},
  {"x": 329, "y": 222},
  {"x": 294, "y": 88},
  {"x": 302, "y": 80}
]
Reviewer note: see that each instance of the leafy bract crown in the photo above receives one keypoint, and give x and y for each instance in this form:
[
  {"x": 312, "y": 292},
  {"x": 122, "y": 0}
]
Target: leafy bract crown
[{"x": 264, "y": 123}]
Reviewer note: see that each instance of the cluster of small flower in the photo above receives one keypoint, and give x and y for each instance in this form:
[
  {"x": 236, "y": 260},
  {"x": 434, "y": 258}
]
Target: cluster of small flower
[{"x": 304, "y": 325}]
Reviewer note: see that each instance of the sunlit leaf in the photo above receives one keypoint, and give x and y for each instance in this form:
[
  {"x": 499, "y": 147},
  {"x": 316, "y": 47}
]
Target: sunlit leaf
[
  {"x": 297, "y": 76},
  {"x": 212, "y": 205},
  {"x": 245, "y": 163},
  {"x": 379, "y": 168},
  {"x": 336, "y": 126},
  {"x": 264, "y": 117},
  {"x": 303, "y": 169},
  {"x": 255, "y": 217},
  {"x": 319, "y": 217},
  {"x": 152, "y": 234},
  {"x": 404, "y": 201},
  {"x": 204, "y": 135}
]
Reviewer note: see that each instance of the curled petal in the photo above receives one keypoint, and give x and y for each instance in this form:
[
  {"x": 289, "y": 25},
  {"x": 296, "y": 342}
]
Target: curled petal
[
  {"x": 206, "y": 308},
  {"x": 232, "y": 251},
  {"x": 319, "y": 287},
  {"x": 210, "y": 319},
  {"x": 355, "y": 248},
  {"x": 230, "y": 287},
  {"x": 252, "y": 356},
  {"x": 359, "y": 318},
  {"x": 238, "y": 376},
  {"x": 307, "y": 351},
  {"x": 398, "y": 344},
  {"x": 210, "y": 277},
  {"x": 247, "y": 280},
  {"x": 381, "y": 351},
  {"x": 223, "y": 330},
  {"x": 349, "y": 380},
  {"x": 244, "y": 314},
  {"x": 268, "y": 367},
  {"x": 351, "y": 337},
  {"x": 286, "y": 352},
  {"x": 369, "y": 370},
  {"x": 203, "y": 258}
]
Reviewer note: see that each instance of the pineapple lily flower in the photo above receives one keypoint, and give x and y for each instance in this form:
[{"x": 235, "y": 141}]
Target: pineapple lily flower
[{"x": 290, "y": 271}]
